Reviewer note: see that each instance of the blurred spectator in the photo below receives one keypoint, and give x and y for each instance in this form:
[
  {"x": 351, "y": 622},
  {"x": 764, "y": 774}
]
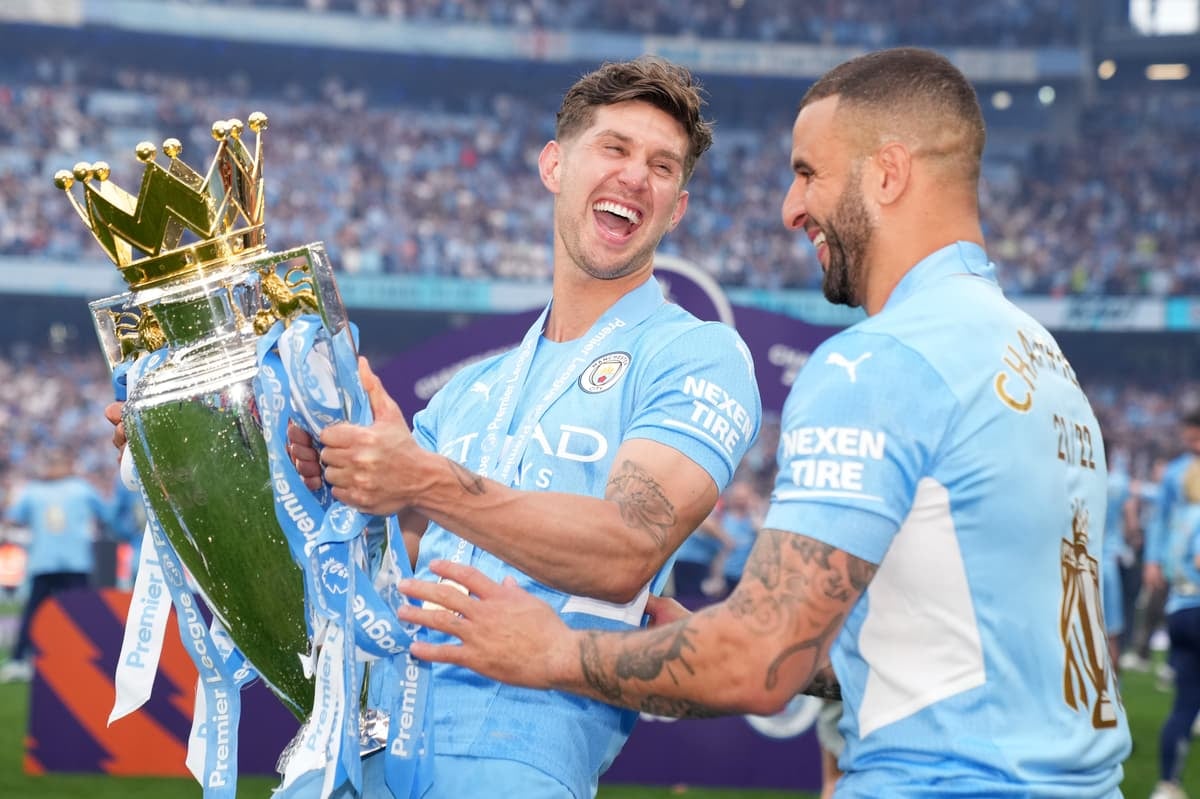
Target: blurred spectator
[
  {"x": 64, "y": 514},
  {"x": 696, "y": 571},
  {"x": 740, "y": 516}
]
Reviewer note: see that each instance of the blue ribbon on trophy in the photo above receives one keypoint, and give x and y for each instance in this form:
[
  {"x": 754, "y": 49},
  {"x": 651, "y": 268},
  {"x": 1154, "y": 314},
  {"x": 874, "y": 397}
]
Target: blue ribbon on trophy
[{"x": 301, "y": 367}]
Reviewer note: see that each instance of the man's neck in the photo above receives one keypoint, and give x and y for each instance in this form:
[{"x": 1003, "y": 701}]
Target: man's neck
[
  {"x": 579, "y": 300},
  {"x": 894, "y": 258}
]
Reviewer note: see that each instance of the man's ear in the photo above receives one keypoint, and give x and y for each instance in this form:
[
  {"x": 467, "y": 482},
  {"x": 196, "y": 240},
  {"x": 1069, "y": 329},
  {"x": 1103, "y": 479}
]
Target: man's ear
[
  {"x": 681, "y": 204},
  {"x": 893, "y": 163},
  {"x": 550, "y": 165}
]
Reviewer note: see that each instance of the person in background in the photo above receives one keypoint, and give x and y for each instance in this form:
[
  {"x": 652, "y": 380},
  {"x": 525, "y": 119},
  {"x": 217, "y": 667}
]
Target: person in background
[
  {"x": 128, "y": 529},
  {"x": 696, "y": 570},
  {"x": 1118, "y": 518},
  {"x": 740, "y": 517},
  {"x": 1148, "y": 600},
  {"x": 1171, "y": 560},
  {"x": 64, "y": 515}
]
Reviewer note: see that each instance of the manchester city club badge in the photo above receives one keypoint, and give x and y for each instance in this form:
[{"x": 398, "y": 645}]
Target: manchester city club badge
[{"x": 604, "y": 372}]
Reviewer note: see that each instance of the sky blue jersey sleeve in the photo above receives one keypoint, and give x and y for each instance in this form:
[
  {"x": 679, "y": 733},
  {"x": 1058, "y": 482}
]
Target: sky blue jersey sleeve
[
  {"x": 1159, "y": 532},
  {"x": 699, "y": 396},
  {"x": 861, "y": 426},
  {"x": 425, "y": 421},
  {"x": 18, "y": 511}
]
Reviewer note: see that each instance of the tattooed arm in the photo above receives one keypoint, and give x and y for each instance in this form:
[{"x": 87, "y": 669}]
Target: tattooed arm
[
  {"x": 606, "y": 548},
  {"x": 768, "y": 641}
]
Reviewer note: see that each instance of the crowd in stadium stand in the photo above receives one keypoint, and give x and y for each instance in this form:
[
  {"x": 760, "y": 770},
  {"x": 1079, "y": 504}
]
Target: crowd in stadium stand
[
  {"x": 50, "y": 400},
  {"x": 875, "y": 23},
  {"x": 408, "y": 190}
]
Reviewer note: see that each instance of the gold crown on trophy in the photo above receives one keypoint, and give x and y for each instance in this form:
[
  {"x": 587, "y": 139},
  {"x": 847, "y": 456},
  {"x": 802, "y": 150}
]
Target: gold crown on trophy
[{"x": 144, "y": 235}]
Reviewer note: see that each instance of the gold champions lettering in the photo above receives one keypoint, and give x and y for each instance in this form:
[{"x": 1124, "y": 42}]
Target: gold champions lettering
[
  {"x": 717, "y": 412},
  {"x": 1023, "y": 365},
  {"x": 1076, "y": 445}
]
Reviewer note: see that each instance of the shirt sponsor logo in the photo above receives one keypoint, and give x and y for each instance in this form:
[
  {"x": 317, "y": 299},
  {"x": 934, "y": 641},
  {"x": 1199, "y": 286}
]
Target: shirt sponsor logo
[
  {"x": 851, "y": 367},
  {"x": 566, "y": 441},
  {"x": 604, "y": 372},
  {"x": 831, "y": 458},
  {"x": 718, "y": 413}
]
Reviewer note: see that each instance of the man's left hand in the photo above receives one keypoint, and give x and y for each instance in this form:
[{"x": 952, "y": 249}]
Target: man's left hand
[{"x": 505, "y": 632}]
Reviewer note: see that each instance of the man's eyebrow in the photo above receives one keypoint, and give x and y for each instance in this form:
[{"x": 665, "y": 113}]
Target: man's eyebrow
[
  {"x": 800, "y": 165},
  {"x": 626, "y": 139},
  {"x": 615, "y": 134}
]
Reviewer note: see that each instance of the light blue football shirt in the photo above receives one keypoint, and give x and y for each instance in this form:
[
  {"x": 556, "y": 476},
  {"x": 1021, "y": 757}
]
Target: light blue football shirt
[
  {"x": 1168, "y": 538},
  {"x": 669, "y": 378},
  {"x": 64, "y": 517},
  {"x": 1119, "y": 488},
  {"x": 699, "y": 547},
  {"x": 743, "y": 529},
  {"x": 947, "y": 440}
]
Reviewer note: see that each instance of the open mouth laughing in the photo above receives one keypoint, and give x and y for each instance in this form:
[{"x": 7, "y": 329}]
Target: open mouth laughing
[{"x": 619, "y": 221}]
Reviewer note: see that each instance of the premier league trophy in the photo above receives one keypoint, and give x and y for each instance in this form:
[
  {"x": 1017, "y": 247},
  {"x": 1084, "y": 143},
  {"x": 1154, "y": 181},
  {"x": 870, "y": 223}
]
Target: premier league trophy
[{"x": 216, "y": 348}]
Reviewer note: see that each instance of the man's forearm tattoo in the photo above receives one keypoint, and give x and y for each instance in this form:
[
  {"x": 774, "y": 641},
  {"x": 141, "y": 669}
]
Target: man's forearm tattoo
[
  {"x": 676, "y": 708},
  {"x": 471, "y": 483},
  {"x": 594, "y": 673},
  {"x": 814, "y": 645},
  {"x": 642, "y": 502},
  {"x": 665, "y": 652},
  {"x": 773, "y": 602},
  {"x": 768, "y": 599}
]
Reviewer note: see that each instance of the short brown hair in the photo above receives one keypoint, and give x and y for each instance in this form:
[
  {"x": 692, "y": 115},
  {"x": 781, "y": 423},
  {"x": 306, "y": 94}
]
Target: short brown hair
[
  {"x": 660, "y": 83},
  {"x": 916, "y": 91}
]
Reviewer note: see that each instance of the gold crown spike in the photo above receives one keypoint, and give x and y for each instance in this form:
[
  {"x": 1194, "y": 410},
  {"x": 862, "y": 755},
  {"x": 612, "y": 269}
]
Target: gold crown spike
[{"x": 144, "y": 234}]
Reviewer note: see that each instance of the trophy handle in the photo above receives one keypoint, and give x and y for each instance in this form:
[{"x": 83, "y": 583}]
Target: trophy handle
[{"x": 116, "y": 320}]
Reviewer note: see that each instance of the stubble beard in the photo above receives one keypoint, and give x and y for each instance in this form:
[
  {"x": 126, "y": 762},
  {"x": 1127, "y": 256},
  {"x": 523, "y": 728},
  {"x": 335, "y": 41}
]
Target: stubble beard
[
  {"x": 590, "y": 266},
  {"x": 846, "y": 239}
]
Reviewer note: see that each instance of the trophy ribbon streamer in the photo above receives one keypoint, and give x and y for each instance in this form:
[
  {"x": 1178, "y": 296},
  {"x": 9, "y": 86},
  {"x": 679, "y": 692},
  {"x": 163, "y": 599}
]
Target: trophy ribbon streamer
[
  {"x": 141, "y": 646},
  {"x": 212, "y": 745},
  {"x": 349, "y": 618}
]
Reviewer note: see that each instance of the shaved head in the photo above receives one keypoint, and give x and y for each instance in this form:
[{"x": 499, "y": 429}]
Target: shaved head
[{"x": 913, "y": 96}]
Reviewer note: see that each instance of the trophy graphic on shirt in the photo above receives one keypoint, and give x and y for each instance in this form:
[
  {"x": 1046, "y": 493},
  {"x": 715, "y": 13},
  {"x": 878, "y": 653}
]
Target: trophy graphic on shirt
[
  {"x": 1081, "y": 625},
  {"x": 217, "y": 346}
]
